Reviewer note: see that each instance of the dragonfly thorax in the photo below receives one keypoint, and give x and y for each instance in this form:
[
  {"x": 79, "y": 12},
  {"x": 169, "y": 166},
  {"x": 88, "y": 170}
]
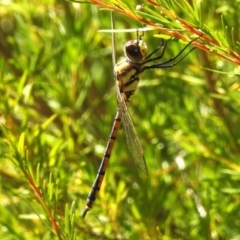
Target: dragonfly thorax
[{"x": 135, "y": 51}]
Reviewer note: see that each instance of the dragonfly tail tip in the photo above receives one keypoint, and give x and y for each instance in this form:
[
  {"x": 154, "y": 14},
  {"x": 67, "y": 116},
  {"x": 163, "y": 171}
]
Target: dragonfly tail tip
[{"x": 85, "y": 212}]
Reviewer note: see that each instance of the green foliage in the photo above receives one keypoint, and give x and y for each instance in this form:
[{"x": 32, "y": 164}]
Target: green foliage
[{"x": 58, "y": 103}]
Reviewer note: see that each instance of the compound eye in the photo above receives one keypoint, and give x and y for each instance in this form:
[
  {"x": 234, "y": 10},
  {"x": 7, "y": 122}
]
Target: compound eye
[{"x": 135, "y": 51}]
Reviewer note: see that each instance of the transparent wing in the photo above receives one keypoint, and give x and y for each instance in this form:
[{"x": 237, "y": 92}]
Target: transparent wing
[
  {"x": 126, "y": 30},
  {"x": 133, "y": 142},
  {"x": 132, "y": 139}
]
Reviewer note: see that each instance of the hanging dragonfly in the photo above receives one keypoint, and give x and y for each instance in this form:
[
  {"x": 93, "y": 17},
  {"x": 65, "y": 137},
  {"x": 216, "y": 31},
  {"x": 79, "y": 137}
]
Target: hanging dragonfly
[{"x": 127, "y": 74}]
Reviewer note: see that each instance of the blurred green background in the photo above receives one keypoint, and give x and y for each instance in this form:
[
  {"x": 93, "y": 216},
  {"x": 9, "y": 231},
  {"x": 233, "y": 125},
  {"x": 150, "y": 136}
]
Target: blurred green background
[{"x": 57, "y": 106}]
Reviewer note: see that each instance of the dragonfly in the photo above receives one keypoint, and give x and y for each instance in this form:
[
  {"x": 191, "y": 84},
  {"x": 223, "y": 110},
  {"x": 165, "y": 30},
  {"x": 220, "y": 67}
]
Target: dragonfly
[{"x": 127, "y": 75}]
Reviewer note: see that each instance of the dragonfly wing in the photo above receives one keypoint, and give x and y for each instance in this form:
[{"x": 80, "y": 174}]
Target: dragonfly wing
[{"x": 132, "y": 139}]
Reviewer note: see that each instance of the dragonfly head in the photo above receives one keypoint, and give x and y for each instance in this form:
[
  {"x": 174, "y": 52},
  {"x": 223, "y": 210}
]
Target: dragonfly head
[{"x": 135, "y": 51}]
